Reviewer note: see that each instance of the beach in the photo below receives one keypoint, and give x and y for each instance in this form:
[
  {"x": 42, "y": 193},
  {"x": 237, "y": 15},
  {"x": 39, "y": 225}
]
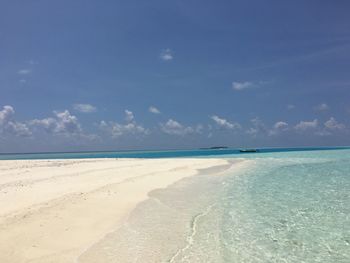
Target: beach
[
  {"x": 55, "y": 210},
  {"x": 287, "y": 206}
]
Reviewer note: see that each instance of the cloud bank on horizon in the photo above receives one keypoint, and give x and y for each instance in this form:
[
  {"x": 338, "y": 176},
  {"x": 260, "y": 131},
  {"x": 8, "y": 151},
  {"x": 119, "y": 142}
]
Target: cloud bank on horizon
[
  {"x": 177, "y": 74},
  {"x": 64, "y": 125}
]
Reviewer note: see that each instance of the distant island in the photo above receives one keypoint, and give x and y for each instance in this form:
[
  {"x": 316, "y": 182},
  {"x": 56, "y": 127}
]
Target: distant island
[{"x": 214, "y": 148}]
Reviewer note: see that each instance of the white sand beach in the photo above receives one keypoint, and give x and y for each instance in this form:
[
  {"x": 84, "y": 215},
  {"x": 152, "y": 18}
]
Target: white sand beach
[{"x": 53, "y": 210}]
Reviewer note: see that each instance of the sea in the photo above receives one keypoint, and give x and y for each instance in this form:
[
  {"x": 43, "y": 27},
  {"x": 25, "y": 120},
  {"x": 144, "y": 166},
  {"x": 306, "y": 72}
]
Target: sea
[{"x": 287, "y": 205}]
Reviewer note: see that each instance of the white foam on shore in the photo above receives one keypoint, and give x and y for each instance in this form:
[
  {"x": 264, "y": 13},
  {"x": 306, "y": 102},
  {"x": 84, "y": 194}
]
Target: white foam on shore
[{"x": 190, "y": 239}]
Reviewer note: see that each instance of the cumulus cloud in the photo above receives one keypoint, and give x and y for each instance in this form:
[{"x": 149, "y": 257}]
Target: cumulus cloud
[
  {"x": 333, "y": 124},
  {"x": 223, "y": 123},
  {"x": 167, "y": 55},
  {"x": 67, "y": 122},
  {"x": 242, "y": 85},
  {"x": 62, "y": 123},
  {"x": 173, "y": 127},
  {"x": 281, "y": 125},
  {"x": 306, "y": 125},
  {"x": 278, "y": 127},
  {"x": 6, "y": 113},
  {"x": 18, "y": 129},
  {"x": 84, "y": 108},
  {"x": 321, "y": 107},
  {"x": 129, "y": 116},
  {"x": 48, "y": 124},
  {"x": 11, "y": 127},
  {"x": 116, "y": 129},
  {"x": 154, "y": 110}
]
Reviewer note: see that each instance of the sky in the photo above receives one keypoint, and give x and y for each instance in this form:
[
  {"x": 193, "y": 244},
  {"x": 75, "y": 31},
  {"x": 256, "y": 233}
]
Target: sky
[{"x": 132, "y": 75}]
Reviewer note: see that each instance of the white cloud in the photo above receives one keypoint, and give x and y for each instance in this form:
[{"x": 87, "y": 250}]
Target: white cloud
[
  {"x": 278, "y": 127},
  {"x": 333, "y": 124},
  {"x": 67, "y": 122},
  {"x": 290, "y": 106},
  {"x": 18, "y": 129},
  {"x": 173, "y": 127},
  {"x": 242, "y": 85},
  {"x": 259, "y": 128},
  {"x": 129, "y": 116},
  {"x": 154, "y": 110},
  {"x": 116, "y": 129},
  {"x": 167, "y": 55},
  {"x": 224, "y": 123},
  {"x": 321, "y": 107},
  {"x": 306, "y": 125},
  {"x": 64, "y": 123},
  {"x": 6, "y": 113},
  {"x": 10, "y": 126},
  {"x": 24, "y": 71},
  {"x": 48, "y": 124},
  {"x": 84, "y": 108}
]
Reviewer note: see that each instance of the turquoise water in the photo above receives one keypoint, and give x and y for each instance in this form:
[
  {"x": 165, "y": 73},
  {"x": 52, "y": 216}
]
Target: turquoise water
[
  {"x": 286, "y": 207},
  {"x": 152, "y": 154}
]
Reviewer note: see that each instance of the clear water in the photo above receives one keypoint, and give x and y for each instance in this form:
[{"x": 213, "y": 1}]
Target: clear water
[{"x": 287, "y": 207}]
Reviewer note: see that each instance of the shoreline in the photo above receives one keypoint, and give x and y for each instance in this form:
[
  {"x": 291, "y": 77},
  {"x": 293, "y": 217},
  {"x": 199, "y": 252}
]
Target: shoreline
[
  {"x": 78, "y": 201},
  {"x": 159, "y": 228}
]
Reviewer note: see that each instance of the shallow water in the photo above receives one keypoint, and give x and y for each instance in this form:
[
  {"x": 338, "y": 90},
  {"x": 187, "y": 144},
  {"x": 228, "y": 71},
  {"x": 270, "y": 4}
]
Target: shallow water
[
  {"x": 289, "y": 212},
  {"x": 286, "y": 207}
]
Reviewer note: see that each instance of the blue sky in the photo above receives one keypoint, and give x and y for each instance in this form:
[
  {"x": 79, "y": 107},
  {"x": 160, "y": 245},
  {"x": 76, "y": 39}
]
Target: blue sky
[{"x": 115, "y": 75}]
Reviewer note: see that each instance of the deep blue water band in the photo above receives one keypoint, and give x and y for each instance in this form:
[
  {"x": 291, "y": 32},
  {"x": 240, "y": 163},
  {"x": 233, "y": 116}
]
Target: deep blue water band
[{"x": 154, "y": 154}]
